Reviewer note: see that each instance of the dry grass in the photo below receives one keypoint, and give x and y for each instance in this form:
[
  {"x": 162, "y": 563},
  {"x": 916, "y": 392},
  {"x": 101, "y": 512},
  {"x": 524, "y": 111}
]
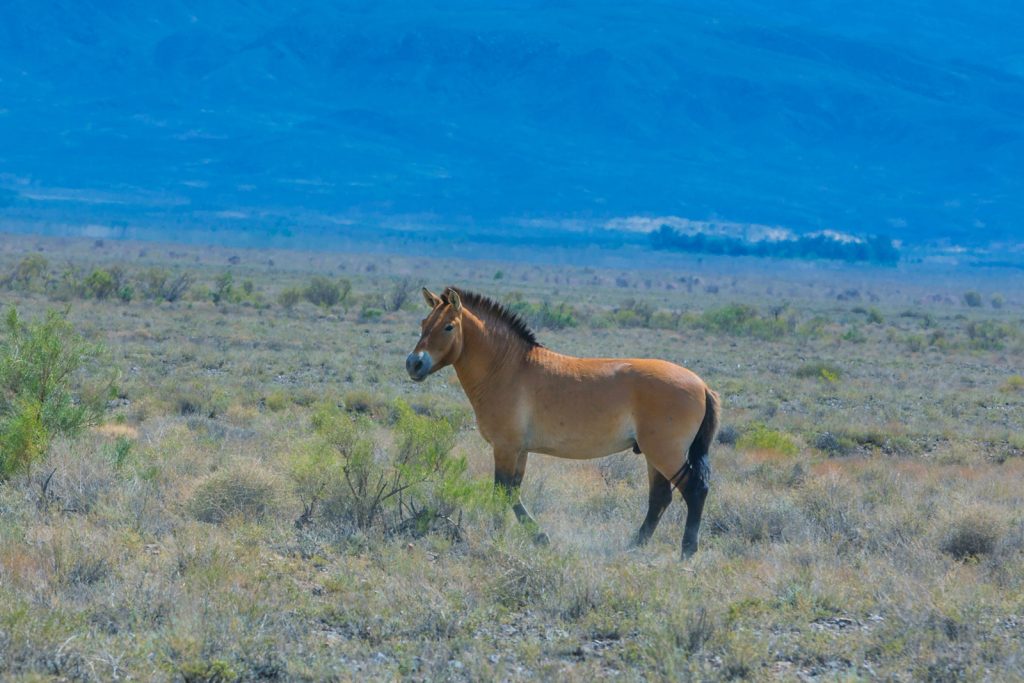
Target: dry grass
[{"x": 165, "y": 545}]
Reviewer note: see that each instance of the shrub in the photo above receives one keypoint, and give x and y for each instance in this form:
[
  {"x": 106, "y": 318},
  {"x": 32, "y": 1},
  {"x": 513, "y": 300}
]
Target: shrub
[
  {"x": 972, "y": 299},
  {"x": 998, "y": 301},
  {"x": 30, "y": 269},
  {"x": 988, "y": 335},
  {"x": 915, "y": 343},
  {"x": 100, "y": 284},
  {"x": 759, "y": 437},
  {"x": 67, "y": 286},
  {"x": 664, "y": 320},
  {"x": 833, "y": 444},
  {"x": 196, "y": 398},
  {"x": 224, "y": 288},
  {"x": 819, "y": 370},
  {"x": 366, "y": 403},
  {"x": 290, "y": 297},
  {"x": 1013, "y": 384},
  {"x": 728, "y": 435},
  {"x": 743, "y": 320},
  {"x": 633, "y": 313},
  {"x": 854, "y": 335},
  {"x": 38, "y": 364},
  {"x": 404, "y": 489},
  {"x": 276, "y": 401},
  {"x": 369, "y": 314},
  {"x": 544, "y": 314},
  {"x": 398, "y": 296},
  {"x": 971, "y": 536},
  {"x": 247, "y": 493},
  {"x": 327, "y": 293},
  {"x": 159, "y": 285}
]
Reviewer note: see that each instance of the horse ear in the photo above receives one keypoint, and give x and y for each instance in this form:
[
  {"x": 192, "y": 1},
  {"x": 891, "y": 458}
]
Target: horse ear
[
  {"x": 454, "y": 300},
  {"x": 432, "y": 299}
]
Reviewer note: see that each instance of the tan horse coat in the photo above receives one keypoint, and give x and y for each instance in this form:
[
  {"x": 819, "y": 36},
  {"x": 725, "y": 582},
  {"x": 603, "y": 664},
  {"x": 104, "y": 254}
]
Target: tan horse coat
[{"x": 528, "y": 398}]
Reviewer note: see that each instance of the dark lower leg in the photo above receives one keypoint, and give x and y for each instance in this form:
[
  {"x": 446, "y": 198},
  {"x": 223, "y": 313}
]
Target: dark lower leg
[
  {"x": 695, "y": 491},
  {"x": 509, "y": 482},
  {"x": 658, "y": 498}
]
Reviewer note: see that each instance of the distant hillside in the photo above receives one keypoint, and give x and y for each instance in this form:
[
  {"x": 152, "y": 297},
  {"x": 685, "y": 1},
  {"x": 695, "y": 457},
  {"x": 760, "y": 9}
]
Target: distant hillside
[{"x": 903, "y": 117}]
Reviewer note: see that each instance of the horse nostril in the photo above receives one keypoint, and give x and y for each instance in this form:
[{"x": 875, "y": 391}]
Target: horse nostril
[{"x": 418, "y": 365}]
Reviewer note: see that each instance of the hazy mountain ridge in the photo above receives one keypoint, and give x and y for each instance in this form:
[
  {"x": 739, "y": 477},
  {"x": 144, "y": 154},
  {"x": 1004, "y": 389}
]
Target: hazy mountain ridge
[{"x": 907, "y": 119}]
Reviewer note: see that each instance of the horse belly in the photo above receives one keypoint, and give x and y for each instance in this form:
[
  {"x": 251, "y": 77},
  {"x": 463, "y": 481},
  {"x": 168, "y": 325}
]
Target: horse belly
[{"x": 581, "y": 437}]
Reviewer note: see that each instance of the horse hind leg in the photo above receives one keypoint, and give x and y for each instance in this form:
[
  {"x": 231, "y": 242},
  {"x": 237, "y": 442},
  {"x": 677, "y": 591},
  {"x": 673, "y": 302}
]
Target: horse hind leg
[
  {"x": 659, "y": 497},
  {"x": 691, "y": 475},
  {"x": 695, "y": 491}
]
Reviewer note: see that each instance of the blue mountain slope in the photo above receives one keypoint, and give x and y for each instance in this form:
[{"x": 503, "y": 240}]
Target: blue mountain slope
[{"x": 902, "y": 117}]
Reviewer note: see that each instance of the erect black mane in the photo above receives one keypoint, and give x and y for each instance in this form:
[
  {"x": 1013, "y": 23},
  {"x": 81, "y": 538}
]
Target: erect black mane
[{"x": 485, "y": 305}]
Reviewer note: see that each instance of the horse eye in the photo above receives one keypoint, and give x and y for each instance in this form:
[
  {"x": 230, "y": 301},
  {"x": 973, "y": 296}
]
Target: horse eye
[{"x": 449, "y": 327}]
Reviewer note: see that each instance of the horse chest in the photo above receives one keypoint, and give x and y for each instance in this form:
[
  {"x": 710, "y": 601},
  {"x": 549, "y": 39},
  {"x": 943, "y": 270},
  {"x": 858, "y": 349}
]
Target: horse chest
[{"x": 502, "y": 423}]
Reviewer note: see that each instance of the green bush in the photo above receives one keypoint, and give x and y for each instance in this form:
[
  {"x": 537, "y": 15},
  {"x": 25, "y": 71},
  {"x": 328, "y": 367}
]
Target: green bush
[
  {"x": 367, "y": 403},
  {"x": 759, "y": 437},
  {"x": 224, "y": 289},
  {"x": 100, "y": 284},
  {"x": 196, "y": 397},
  {"x": 158, "y": 284},
  {"x": 819, "y": 370},
  {"x": 39, "y": 398},
  {"x": 30, "y": 269},
  {"x": 854, "y": 335},
  {"x": 744, "y": 320},
  {"x": 633, "y": 313},
  {"x": 327, "y": 293},
  {"x": 988, "y": 335},
  {"x": 370, "y": 313},
  {"x": 402, "y": 489},
  {"x": 972, "y": 299},
  {"x": 289, "y": 298},
  {"x": 1013, "y": 384}
]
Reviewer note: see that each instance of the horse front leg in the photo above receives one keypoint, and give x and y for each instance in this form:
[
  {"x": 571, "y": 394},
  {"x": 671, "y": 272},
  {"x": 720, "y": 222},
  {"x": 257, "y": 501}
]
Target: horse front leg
[{"x": 509, "y": 468}]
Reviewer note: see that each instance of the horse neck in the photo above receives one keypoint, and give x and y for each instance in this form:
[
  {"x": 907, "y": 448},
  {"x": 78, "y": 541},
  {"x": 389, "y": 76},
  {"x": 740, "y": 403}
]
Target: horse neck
[{"x": 490, "y": 356}]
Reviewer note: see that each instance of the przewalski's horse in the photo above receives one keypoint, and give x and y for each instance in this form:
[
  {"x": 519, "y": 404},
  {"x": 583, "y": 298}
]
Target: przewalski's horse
[{"x": 530, "y": 399}]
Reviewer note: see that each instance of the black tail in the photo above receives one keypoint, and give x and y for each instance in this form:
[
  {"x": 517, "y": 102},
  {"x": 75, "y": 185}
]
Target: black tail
[
  {"x": 696, "y": 488},
  {"x": 708, "y": 428}
]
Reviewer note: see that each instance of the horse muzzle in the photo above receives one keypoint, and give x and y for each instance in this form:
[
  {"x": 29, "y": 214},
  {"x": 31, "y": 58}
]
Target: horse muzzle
[{"x": 418, "y": 364}]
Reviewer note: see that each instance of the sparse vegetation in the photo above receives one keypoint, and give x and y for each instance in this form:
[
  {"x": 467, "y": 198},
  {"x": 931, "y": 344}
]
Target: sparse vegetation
[{"x": 863, "y": 521}]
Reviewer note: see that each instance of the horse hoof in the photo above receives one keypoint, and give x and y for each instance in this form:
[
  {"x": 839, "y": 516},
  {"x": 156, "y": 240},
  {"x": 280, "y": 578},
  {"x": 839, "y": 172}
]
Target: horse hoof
[
  {"x": 541, "y": 538},
  {"x": 688, "y": 551}
]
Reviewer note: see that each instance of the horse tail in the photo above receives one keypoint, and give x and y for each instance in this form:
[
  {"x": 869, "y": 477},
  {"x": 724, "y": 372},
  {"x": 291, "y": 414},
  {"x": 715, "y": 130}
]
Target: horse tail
[{"x": 708, "y": 428}]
